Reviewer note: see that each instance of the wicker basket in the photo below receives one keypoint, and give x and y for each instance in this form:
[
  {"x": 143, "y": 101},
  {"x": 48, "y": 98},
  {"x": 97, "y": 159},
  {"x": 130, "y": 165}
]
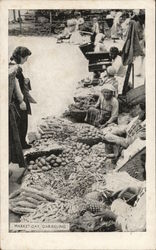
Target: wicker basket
[{"x": 78, "y": 115}]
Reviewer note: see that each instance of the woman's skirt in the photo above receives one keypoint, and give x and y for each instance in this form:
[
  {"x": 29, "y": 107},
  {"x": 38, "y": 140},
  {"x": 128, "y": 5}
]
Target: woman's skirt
[{"x": 15, "y": 148}]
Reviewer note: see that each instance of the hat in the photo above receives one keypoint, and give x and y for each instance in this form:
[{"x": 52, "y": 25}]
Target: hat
[
  {"x": 108, "y": 87},
  {"x": 111, "y": 71}
]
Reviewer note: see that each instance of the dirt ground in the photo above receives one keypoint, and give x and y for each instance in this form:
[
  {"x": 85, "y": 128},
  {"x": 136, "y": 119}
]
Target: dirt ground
[{"x": 54, "y": 70}]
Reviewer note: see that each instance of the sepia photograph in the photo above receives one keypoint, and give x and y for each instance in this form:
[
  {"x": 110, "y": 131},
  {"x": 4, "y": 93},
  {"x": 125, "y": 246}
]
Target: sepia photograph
[{"x": 77, "y": 120}]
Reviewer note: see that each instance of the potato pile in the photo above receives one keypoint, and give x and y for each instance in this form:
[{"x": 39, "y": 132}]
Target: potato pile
[
  {"x": 47, "y": 163},
  {"x": 90, "y": 135}
]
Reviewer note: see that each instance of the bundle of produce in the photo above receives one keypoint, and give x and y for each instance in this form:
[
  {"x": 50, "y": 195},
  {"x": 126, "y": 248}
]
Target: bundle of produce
[
  {"x": 56, "y": 128},
  {"x": 90, "y": 135},
  {"x": 25, "y": 200},
  {"x": 58, "y": 211}
]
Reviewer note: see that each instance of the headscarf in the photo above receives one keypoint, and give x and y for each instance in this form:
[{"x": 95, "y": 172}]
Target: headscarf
[{"x": 109, "y": 87}]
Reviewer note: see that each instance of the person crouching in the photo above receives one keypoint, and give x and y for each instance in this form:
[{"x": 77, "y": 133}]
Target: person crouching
[{"x": 105, "y": 110}]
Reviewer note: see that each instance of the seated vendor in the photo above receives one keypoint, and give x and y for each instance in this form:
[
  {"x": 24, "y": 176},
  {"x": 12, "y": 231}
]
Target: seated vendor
[
  {"x": 124, "y": 135},
  {"x": 110, "y": 78},
  {"x": 120, "y": 69},
  {"x": 99, "y": 43},
  {"x": 106, "y": 109},
  {"x": 65, "y": 34}
]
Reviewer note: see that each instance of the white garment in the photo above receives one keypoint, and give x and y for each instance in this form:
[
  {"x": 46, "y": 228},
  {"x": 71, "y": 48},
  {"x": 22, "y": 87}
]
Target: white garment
[
  {"x": 120, "y": 72},
  {"x": 76, "y": 38},
  {"x": 96, "y": 28},
  {"x": 118, "y": 66}
]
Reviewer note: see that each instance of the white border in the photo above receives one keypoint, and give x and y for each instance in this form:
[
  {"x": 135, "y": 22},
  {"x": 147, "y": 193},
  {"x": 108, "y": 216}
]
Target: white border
[{"x": 145, "y": 240}]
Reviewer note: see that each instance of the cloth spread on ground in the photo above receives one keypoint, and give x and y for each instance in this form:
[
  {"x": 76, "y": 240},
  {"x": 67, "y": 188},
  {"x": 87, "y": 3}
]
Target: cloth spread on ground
[{"x": 132, "y": 46}]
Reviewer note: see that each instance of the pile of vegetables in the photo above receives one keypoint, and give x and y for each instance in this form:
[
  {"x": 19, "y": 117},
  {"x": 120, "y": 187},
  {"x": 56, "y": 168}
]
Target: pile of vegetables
[
  {"x": 57, "y": 129},
  {"x": 25, "y": 200},
  {"x": 90, "y": 135},
  {"x": 83, "y": 102}
]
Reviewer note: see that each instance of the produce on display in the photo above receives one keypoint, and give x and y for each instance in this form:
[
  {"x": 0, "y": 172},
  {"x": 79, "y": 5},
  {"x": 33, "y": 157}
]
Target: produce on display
[{"x": 67, "y": 179}]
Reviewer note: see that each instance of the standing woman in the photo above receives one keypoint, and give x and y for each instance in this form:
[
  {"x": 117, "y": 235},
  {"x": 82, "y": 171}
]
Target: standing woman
[
  {"x": 20, "y": 56},
  {"x": 15, "y": 95}
]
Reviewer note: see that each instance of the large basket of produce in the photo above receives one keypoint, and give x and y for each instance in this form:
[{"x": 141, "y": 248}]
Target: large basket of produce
[
  {"x": 77, "y": 114},
  {"x": 79, "y": 108}
]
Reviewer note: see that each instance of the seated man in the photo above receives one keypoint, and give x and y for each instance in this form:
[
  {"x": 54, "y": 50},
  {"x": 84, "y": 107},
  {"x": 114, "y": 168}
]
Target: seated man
[
  {"x": 65, "y": 34},
  {"x": 106, "y": 109},
  {"x": 124, "y": 135}
]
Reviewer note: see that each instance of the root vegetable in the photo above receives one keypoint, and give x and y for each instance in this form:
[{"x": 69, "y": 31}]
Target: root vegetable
[
  {"x": 33, "y": 193},
  {"x": 34, "y": 167},
  {"x": 30, "y": 167},
  {"x": 22, "y": 210},
  {"x": 25, "y": 204},
  {"x": 40, "y": 165},
  {"x": 55, "y": 165},
  {"x": 48, "y": 158},
  {"x": 31, "y": 162},
  {"x": 43, "y": 162},
  {"x": 32, "y": 200},
  {"x": 15, "y": 193},
  {"x": 52, "y": 161},
  {"x": 58, "y": 160},
  {"x": 44, "y": 168}
]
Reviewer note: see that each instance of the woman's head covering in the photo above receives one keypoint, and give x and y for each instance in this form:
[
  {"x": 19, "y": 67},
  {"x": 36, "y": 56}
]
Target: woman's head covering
[
  {"x": 111, "y": 71},
  {"x": 108, "y": 87},
  {"x": 20, "y": 52}
]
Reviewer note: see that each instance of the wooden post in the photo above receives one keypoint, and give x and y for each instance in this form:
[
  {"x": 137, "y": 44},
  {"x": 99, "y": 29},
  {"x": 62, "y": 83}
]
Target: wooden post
[
  {"x": 14, "y": 15},
  {"x": 133, "y": 75},
  {"x": 125, "y": 86},
  {"x": 50, "y": 30},
  {"x": 20, "y": 23}
]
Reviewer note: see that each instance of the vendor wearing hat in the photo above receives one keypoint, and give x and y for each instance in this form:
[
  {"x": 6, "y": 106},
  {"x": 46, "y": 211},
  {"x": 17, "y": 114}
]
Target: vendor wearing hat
[
  {"x": 105, "y": 110},
  {"x": 111, "y": 79}
]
